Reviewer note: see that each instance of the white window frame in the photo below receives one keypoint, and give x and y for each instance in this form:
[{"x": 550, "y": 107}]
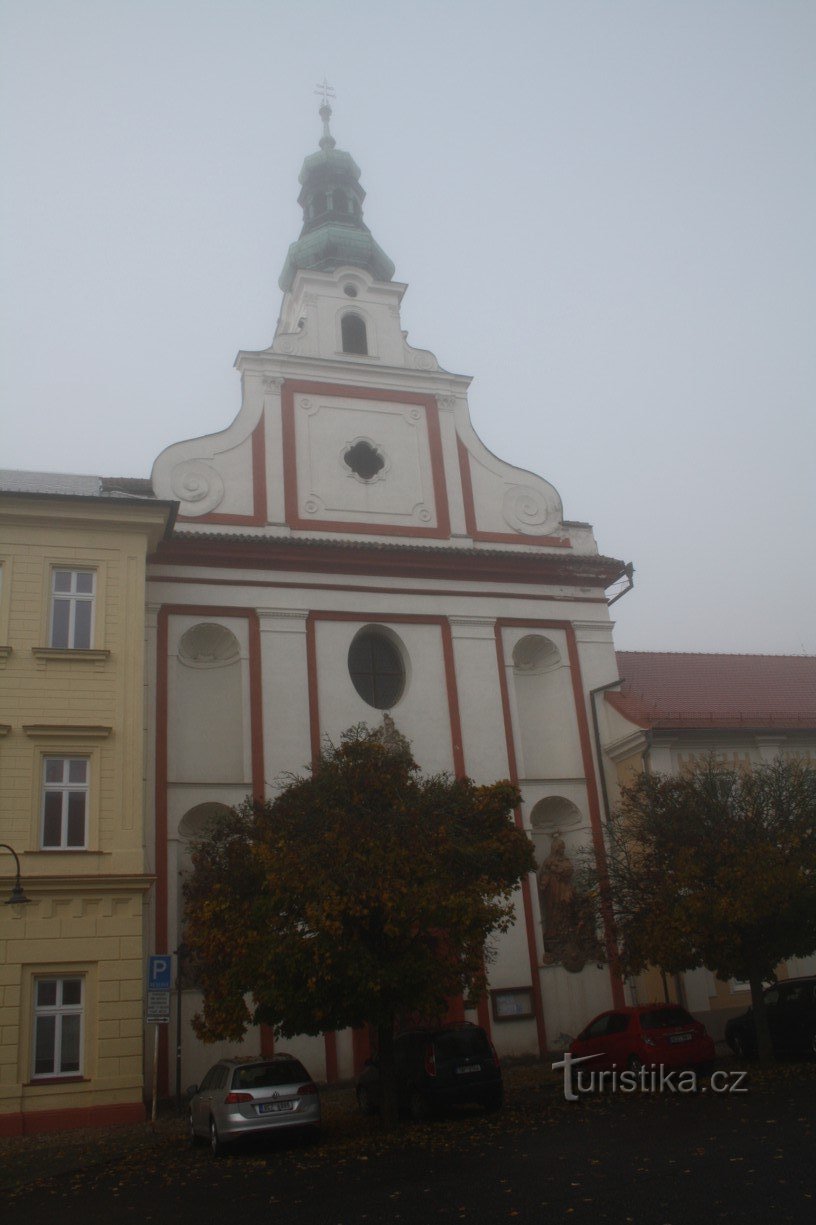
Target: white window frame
[
  {"x": 73, "y": 598},
  {"x": 59, "y": 1011},
  {"x": 65, "y": 788}
]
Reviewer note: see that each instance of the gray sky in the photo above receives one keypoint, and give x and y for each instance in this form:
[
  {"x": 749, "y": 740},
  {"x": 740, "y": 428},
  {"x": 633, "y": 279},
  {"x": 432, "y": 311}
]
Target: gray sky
[{"x": 604, "y": 210}]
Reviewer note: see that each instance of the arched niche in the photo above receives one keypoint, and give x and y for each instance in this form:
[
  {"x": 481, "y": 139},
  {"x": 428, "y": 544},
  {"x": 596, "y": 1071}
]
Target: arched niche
[
  {"x": 555, "y": 812},
  {"x": 545, "y": 707},
  {"x": 198, "y": 822},
  {"x": 535, "y": 654},
  {"x": 207, "y": 695},
  {"x": 208, "y": 645}
]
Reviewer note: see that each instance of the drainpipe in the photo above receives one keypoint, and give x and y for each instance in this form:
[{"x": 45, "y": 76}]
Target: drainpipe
[
  {"x": 597, "y": 732},
  {"x": 647, "y": 748},
  {"x": 593, "y": 693}
]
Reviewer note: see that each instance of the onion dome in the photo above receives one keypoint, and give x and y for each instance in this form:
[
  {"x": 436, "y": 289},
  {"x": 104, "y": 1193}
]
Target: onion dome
[{"x": 334, "y": 234}]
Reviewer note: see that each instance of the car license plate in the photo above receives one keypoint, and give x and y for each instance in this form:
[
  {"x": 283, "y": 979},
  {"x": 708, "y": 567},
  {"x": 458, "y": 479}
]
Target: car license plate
[
  {"x": 680, "y": 1037},
  {"x": 470, "y": 1067},
  {"x": 273, "y": 1107}
]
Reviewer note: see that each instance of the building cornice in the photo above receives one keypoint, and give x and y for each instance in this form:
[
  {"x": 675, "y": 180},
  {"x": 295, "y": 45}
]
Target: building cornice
[
  {"x": 154, "y": 517},
  {"x": 76, "y": 883},
  {"x": 67, "y": 731},
  {"x": 351, "y": 557}
]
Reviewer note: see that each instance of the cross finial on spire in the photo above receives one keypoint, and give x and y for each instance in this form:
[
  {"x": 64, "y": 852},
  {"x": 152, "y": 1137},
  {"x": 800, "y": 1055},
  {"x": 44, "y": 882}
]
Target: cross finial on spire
[
  {"x": 327, "y": 141},
  {"x": 326, "y": 90}
]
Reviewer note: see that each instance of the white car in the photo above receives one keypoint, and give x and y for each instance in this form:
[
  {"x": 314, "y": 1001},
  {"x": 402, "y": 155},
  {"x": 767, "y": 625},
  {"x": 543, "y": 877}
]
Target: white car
[{"x": 251, "y": 1097}]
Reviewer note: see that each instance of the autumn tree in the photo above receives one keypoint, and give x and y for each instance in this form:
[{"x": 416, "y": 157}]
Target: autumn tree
[
  {"x": 716, "y": 867},
  {"x": 364, "y": 890}
]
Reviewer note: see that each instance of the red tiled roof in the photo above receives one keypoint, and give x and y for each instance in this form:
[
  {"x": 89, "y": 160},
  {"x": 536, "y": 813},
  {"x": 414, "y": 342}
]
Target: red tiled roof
[{"x": 670, "y": 689}]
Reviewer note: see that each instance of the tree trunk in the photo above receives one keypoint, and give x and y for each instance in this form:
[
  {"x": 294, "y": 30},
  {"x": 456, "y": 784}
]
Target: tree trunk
[
  {"x": 389, "y": 1111},
  {"x": 765, "y": 1051}
]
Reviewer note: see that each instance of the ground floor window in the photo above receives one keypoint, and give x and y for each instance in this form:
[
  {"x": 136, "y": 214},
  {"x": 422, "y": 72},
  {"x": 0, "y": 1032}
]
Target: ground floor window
[{"x": 58, "y": 1009}]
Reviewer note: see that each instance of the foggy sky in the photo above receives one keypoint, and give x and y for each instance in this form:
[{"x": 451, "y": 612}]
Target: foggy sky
[{"x": 604, "y": 211}]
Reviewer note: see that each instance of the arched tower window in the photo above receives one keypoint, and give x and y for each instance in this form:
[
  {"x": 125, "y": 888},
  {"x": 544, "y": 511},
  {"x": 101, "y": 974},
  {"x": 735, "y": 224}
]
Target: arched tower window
[{"x": 353, "y": 334}]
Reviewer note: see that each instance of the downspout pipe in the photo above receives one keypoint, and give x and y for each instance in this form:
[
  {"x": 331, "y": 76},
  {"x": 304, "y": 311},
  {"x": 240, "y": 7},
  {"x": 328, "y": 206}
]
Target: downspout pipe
[
  {"x": 597, "y": 733},
  {"x": 593, "y": 693}
]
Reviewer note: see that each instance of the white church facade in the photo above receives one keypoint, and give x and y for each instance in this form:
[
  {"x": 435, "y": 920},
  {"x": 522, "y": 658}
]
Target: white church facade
[{"x": 348, "y": 546}]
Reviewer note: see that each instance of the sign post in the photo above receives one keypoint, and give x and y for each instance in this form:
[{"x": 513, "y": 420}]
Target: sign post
[{"x": 159, "y": 967}]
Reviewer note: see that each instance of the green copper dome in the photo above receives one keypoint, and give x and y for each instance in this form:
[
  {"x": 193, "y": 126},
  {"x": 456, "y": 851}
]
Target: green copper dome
[{"x": 334, "y": 233}]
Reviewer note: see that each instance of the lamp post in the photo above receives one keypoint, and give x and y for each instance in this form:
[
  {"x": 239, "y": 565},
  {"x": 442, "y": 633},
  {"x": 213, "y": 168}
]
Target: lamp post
[{"x": 18, "y": 897}]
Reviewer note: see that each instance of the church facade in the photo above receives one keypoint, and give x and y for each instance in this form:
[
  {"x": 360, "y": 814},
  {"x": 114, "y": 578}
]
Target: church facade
[{"x": 349, "y": 546}]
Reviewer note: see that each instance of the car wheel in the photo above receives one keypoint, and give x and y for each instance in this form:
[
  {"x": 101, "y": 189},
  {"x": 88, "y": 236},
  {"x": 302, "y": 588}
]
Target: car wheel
[
  {"x": 813, "y": 1044},
  {"x": 419, "y": 1107},
  {"x": 365, "y": 1100},
  {"x": 216, "y": 1143},
  {"x": 192, "y": 1135},
  {"x": 494, "y": 1102},
  {"x": 635, "y": 1064}
]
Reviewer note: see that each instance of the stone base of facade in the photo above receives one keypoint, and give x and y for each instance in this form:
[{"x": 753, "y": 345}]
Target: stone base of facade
[{"x": 33, "y": 1122}]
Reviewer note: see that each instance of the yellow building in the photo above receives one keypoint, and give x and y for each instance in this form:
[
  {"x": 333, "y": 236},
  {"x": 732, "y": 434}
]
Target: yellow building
[
  {"x": 673, "y": 709},
  {"x": 72, "y": 961}
]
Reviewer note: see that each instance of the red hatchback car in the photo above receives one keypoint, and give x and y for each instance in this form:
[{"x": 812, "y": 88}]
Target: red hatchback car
[{"x": 646, "y": 1035}]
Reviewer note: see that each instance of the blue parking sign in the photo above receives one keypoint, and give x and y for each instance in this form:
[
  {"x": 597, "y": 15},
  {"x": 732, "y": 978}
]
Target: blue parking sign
[{"x": 159, "y": 968}]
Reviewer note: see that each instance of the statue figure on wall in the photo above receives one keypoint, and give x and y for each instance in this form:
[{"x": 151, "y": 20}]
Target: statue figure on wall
[
  {"x": 555, "y": 888},
  {"x": 567, "y": 915}
]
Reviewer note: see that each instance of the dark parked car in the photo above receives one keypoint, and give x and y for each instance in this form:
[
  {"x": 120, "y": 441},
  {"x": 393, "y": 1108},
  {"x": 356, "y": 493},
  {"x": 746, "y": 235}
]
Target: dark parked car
[
  {"x": 437, "y": 1068},
  {"x": 250, "y": 1097},
  {"x": 791, "y": 1008},
  {"x": 642, "y": 1036}
]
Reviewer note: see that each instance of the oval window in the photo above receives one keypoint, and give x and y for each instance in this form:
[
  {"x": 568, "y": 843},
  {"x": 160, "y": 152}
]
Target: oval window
[{"x": 376, "y": 669}]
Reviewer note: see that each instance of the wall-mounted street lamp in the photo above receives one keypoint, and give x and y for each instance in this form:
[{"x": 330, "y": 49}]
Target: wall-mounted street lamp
[{"x": 18, "y": 897}]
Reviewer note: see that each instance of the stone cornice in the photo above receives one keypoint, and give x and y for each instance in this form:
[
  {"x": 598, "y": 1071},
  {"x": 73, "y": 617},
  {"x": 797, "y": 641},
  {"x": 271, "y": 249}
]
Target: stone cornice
[
  {"x": 66, "y": 731},
  {"x": 77, "y": 883},
  {"x": 626, "y": 746}
]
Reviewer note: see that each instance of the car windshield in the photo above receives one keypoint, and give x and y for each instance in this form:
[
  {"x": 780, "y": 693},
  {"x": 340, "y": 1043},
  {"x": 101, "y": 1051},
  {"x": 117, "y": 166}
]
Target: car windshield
[
  {"x": 665, "y": 1018},
  {"x": 461, "y": 1042},
  {"x": 265, "y": 1075}
]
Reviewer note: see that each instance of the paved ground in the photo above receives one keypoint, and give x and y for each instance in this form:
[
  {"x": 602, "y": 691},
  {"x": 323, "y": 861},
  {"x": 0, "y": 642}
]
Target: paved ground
[{"x": 667, "y": 1160}]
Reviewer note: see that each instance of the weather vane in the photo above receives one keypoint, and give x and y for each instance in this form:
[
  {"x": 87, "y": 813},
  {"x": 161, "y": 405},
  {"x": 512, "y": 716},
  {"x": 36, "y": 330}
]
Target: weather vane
[{"x": 326, "y": 90}]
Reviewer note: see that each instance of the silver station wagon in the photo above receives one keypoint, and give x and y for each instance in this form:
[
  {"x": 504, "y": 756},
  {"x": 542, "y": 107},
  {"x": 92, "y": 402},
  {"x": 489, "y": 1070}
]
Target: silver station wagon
[{"x": 252, "y": 1097}]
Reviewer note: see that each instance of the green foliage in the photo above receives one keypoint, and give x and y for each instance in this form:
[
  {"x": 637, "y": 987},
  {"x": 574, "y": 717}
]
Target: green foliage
[
  {"x": 716, "y": 868},
  {"x": 362, "y": 891}
]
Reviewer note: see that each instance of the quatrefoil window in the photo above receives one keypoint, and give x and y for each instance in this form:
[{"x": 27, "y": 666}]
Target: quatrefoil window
[{"x": 364, "y": 459}]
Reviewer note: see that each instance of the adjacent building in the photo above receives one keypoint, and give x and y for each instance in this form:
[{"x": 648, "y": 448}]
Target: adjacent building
[
  {"x": 72, "y": 616},
  {"x": 672, "y": 710}
]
